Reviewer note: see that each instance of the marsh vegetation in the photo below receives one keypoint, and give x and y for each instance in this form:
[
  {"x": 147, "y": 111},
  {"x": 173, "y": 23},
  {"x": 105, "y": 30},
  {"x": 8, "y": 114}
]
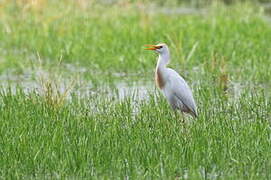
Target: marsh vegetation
[{"x": 78, "y": 98}]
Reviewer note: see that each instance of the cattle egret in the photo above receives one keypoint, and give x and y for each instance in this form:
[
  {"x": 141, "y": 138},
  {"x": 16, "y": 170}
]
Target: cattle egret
[{"x": 172, "y": 85}]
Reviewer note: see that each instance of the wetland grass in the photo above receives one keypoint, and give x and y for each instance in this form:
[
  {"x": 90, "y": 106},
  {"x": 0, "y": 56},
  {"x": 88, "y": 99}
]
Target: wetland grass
[{"x": 223, "y": 54}]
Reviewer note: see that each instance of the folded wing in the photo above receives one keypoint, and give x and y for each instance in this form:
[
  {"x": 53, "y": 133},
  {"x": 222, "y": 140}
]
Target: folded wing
[{"x": 182, "y": 92}]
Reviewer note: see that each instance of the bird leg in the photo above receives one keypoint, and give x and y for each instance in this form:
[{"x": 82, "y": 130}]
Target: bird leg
[
  {"x": 183, "y": 118},
  {"x": 179, "y": 116}
]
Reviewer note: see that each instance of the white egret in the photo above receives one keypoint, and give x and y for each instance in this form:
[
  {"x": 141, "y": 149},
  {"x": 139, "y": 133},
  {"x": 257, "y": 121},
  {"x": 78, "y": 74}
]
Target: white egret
[{"x": 173, "y": 86}]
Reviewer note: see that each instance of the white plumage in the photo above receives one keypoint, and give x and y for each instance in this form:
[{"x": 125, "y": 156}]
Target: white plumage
[{"x": 173, "y": 86}]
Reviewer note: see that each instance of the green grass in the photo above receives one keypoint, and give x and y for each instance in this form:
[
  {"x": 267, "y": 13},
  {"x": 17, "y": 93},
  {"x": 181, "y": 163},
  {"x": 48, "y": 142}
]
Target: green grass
[
  {"x": 108, "y": 40},
  {"x": 107, "y": 138},
  {"x": 224, "y": 54}
]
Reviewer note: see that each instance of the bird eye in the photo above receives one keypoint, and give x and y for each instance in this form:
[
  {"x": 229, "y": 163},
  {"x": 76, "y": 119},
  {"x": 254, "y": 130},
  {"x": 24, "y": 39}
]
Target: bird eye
[{"x": 160, "y": 47}]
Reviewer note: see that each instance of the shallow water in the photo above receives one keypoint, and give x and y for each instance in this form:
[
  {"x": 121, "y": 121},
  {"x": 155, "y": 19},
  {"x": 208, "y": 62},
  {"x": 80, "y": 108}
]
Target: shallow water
[
  {"x": 40, "y": 80},
  {"x": 177, "y": 10}
]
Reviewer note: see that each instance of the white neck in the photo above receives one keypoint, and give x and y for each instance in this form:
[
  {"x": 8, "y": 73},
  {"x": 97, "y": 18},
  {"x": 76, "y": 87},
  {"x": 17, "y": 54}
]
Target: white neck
[{"x": 163, "y": 60}]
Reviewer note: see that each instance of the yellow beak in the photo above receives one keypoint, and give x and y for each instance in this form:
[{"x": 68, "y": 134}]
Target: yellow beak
[{"x": 151, "y": 47}]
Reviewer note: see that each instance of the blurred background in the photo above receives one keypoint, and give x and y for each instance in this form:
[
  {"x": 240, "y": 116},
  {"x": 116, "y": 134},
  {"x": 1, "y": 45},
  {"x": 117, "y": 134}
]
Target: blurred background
[{"x": 101, "y": 42}]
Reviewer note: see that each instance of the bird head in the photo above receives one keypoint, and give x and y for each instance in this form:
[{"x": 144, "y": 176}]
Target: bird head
[{"x": 161, "y": 48}]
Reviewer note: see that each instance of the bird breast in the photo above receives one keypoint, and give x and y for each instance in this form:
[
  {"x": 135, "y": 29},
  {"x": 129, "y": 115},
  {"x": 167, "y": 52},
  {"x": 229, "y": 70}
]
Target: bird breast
[{"x": 160, "y": 82}]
